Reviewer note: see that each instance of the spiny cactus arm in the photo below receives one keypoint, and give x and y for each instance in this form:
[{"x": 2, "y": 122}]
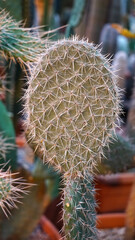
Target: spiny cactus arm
[
  {"x": 79, "y": 205},
  {"x": 11, "y": 190},
  {"x": 18, "y": 42}
]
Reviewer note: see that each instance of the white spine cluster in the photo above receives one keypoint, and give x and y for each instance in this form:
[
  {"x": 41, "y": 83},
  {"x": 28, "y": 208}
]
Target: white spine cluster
[{"x": 11, "y": 190}]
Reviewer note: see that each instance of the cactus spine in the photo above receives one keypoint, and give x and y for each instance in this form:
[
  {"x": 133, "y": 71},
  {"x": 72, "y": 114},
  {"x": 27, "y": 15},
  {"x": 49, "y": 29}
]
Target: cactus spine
[
  {"x": 11, "y": 189},
  {"x": 5, "y": 146},
  {"x": 72, "y": 105},
  {"x": 17, "y": 42}
]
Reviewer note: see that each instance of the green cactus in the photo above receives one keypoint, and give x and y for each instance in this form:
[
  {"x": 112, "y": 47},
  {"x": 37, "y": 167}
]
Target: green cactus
[
  {"x": 17, "y": 42},
  {"x": 118, "y": 156},
  {"x": 11, "y": 186},
  {"x": 22, "y": 45},
  {"x": 8, "y": 151},
  {"x": 11, "y": 189},
  {"x": 26, "y": 216},
  {"x": 76, "y": 16},
  {"x": 79, "y": 208},
  {"x": 72, "y": 105}
]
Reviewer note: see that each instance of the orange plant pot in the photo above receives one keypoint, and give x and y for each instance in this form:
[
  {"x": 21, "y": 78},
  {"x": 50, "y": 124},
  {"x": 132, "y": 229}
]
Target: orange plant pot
[
  {"x": 50, "y": 229},
  {"x": 111, "y": 220},
  {"x": 112, "y": 195},
  {"x": 112, "y": 192}
]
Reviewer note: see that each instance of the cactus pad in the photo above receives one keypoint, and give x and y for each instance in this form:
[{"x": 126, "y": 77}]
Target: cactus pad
[{"x": 72, "y": 105}]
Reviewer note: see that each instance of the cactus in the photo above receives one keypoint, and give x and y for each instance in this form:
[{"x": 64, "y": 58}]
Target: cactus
[
  {"x": 118, "y": 157},
  {"x": 10, "y": 190},
  {"x": 79, "y": 208},
  {"x": 72, "y": 76},
  {"x": 72, "y": 105},
  {"x": 76, "y": 16},
  {"x": 108, "y": 40},
  {"x": 17, "y": 42},
  {"x": 8, "y": 152},
  {"x": 120, "y": 66},
  {"x": 12, "y": 187},
  {"x": 26, "y": 216},
  {"x": 5, "y": 146}
]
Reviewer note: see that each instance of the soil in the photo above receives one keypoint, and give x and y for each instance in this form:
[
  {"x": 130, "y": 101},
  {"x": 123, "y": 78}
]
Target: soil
[
  {"x": 112, "y": 234},
  {"x": 105, "y": 234}
]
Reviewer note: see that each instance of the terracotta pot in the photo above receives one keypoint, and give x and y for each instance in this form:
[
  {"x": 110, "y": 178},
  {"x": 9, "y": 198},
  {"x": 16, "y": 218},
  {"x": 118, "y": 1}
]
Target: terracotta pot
[
  {"x": 112, "y": 192},
  {"x": 49, "y": 228},
  {"x": 112, "y": 195},
  {"x": 111, "y": 220}
]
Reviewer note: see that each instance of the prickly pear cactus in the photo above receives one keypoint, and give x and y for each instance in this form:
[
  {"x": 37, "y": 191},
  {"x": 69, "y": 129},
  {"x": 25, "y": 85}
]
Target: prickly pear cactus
[{"x": 72, "y": 106}]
